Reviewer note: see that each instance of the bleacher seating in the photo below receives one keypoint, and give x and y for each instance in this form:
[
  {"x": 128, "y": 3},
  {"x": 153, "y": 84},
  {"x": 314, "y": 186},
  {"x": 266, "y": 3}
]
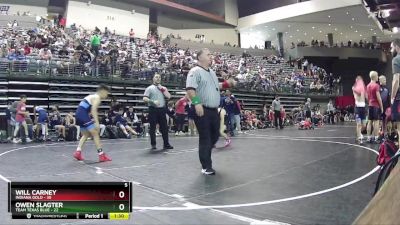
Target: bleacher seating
[
  {"x": 68, "y": 93},
  {"x": 64, "y": 81}
]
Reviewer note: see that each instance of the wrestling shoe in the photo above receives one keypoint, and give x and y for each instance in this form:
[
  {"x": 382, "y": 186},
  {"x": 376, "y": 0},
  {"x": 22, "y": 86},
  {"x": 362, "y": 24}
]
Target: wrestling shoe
[
  {"x": 78, "y": 155},
  {"x": 104, "y": 158}
]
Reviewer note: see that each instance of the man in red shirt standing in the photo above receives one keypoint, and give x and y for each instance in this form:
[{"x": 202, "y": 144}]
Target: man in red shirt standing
[
  {"x": 180, "y": 110},
  {"x": 375, "y": 107},
  {"x": 20, "y": 119}
]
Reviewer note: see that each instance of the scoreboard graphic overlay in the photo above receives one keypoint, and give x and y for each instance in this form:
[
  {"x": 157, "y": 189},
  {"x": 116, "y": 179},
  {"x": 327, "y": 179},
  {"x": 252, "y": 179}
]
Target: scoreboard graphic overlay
[{"x": 70, "y": 200}]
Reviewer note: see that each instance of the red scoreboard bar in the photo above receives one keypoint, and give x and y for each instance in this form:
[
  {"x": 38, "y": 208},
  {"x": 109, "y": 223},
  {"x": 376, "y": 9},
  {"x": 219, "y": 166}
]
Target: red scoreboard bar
[{"x": 70, "y": 200}]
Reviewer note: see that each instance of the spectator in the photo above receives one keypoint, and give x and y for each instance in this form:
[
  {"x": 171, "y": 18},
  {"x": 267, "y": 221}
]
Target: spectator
[
  {"x": 330, "y": 109},
  {"x": 41, "y": 121},
  {"x": 27, "y": 49},
  {"x": 228, "y": 102},
  {"x": 45, "y": 56},
  {"x": 122, "y": 124},
  {"x": 171, "y": 115},
  {"x": 191, "y": 112},
  {"x": 131, "y": 35},
  {"x": 85, "y": 60},
  {"x": 70, "y": 123},
  {"x": 10, "y": 116},
  {"x": 180, "y": 107},
  {"x": 95, "y": 43},
  {"x": 133, "y": 120},
  {"x": 56, "y": 122},
  {"x": 276, "y": 105},
  {"x": 146, "y": 124}
]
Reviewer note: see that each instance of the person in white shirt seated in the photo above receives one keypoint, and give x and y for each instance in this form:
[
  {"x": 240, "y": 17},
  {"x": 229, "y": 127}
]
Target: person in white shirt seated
[
  {"x": 298, "y": 87},
  {"x": 133, "y": 119},
  {"x": 44, "y": 58},
  {"x": 241, "y": 77},
  {"x": 59, "y": 43},
  {"x": 313, "y": 86}
]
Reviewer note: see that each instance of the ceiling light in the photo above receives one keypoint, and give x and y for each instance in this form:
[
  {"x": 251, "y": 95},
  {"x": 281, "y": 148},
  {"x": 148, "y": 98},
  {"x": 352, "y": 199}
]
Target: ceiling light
[
  {"x": 375, "y": 33},
  {"x": 320, "y": 31},
  {"x": 347, "y": 13},
  {"x": 329, "y": 24},
  {"x": 288, "y": 25},
  {"x": 298, "y": 40},
  {"x": 313, "y": 27},
  {"x": 305, "y": 34},
  {"x": 273, "y": 28},
  {"x": 341, "y": 33},
  {"x": 360, "y": 35},
  {"x": 286, "y": 32},
  {"x": 291, "y": 36},
  {"x": 265, "y": 26},
  {"x": 372, "y": 29},
  {"x": 298, "y": 30},
  {"x": 356, "y": 31},
  {"x": 395, "y": 30},
  {"x": 335, "y": 29},
  {"x": 329, "y": 16},
  {"x": 352, "y": 18}
]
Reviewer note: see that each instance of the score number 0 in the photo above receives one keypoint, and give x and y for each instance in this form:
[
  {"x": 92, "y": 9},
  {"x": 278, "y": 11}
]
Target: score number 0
[{"x": 121, "y": 194}]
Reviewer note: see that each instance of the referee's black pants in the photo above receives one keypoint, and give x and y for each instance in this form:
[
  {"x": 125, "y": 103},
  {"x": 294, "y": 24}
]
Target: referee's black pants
[
  {"x": 277, "y": 118},
  {"x": 331, "y": 117},
  {"x": 208, "y": 128},
  {"x": 158, "y": 116}
]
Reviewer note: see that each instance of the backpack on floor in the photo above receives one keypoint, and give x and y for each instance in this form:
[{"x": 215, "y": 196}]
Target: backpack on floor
[
  {"x": 386, "y": 151},
  {"x": 385, "y": 172},
  {"x": 71, "y": 134}
]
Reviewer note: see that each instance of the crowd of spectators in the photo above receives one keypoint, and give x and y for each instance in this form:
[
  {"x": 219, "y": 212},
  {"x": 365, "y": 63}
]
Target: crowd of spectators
[
  {"x": 349, "y": 44},
  {"x": 49, "y": 49}
]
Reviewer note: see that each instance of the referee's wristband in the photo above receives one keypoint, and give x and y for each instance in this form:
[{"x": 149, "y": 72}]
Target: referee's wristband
[{"x": 196, "y": 100}]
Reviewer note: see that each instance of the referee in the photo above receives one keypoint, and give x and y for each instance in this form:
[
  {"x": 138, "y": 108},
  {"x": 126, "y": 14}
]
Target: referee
[
  {"x": 203, "y": 89},
  {"x": 154, "y": 96}
]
